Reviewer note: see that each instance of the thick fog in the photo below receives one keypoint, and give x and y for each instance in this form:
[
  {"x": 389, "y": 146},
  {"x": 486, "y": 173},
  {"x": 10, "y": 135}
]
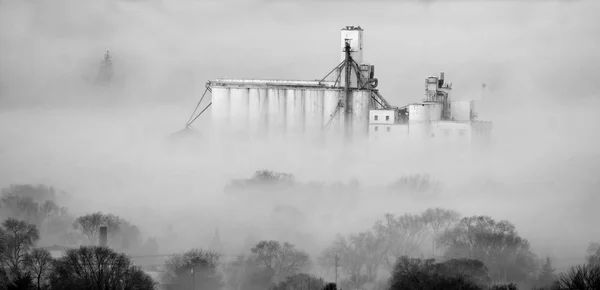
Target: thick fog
[{"x": 107, "y": 146}]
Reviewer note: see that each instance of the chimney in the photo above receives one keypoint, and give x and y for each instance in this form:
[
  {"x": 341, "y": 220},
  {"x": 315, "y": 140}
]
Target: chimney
[{"x": 103, "y": 236}]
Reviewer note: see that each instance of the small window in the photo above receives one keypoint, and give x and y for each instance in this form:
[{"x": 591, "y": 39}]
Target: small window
[
  {"x": 376, "y": 118},
  {"x": 388, "y": 129},
  {"x": 461, "y": 133},
  {"x": 376, "y": 128},
  {"x": 387, "y": 118}
]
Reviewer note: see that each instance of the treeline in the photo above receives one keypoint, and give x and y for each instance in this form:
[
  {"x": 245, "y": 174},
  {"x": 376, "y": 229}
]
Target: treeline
[
  {"x": 32, "y": 216},
  {"x": 370, "y": 259},
  {"x": 434, "y": 249},
  {"x": 40, "y": 206}
]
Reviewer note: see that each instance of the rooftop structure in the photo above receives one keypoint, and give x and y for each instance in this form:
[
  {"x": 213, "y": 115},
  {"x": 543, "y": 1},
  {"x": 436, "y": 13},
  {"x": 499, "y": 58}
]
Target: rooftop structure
[{"x": 437, "y": 118}]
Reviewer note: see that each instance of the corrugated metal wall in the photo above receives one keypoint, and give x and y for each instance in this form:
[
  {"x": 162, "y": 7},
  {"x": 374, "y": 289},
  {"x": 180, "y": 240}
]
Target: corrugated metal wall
[{"x": 287, "y": 111}]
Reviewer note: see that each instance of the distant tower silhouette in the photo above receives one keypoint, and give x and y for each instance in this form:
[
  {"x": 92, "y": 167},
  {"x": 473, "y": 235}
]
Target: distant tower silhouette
[
  {"x": 216, "y": 245},
  {"x": 106, "y": 69}
]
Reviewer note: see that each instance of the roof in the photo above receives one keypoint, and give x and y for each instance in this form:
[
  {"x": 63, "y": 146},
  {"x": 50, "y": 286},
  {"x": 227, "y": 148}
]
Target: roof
[
  {"x": 272, "y": 83},
  {"x": 351, "y": 27}
]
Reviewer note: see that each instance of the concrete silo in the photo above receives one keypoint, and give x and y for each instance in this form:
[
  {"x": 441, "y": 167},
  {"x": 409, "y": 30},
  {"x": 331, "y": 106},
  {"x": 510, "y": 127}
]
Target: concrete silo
[{"x": 277, "y": 108}]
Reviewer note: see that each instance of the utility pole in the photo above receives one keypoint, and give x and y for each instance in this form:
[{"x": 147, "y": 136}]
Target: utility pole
[
  {"x": 194, "y": 263},
  {"x": 337, "y": 259}
]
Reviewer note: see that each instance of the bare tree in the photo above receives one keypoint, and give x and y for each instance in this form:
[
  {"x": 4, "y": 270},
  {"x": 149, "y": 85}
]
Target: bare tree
[
  {"x": 580, "y": 277},
  {"x": 497, "y": 244},
  {"x": 18, "y": 237},
  {"x": 300, "y": 282},
  {"x": 282, "y": 259},
  {"x": 359, "y": 256},
  {"x": 416, "y": 183},
  {"x": 3, "y": 278},
  {"x": 437, "y": 221},
  {"x": 38, "y": 193},
  {"x": 97, "y": 268},
  {"x": 195, "y": 267},
  {"x": 38, "y": 264},
  {"x": 89, "y": 225},
  {"x": 21, "y": 207},
  {"x": 349, "y": 258},
  {"x": 402, "y": 235}
]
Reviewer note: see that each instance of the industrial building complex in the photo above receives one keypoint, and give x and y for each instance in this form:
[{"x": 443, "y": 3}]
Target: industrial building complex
[{"x": 344, "y": 104}]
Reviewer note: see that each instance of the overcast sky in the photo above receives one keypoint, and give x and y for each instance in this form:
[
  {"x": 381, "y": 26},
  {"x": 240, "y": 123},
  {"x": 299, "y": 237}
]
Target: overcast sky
[{"x": 539, "y": 58}]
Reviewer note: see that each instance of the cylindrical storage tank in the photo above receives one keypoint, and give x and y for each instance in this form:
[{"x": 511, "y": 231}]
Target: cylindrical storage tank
[
  {"x": 360, "y": 113},
  {"x": 282, "y": 112},
  {"x": 273, "y": 114},
  {"x": 418, "y": 124},
  {"x": 313, "y": 111},
  {"x": 418, "y": 113},
  {"x": 294, "y": 111},
  {"x": 435, "y": 111},
  {"x": 239, "y": 109},
  {"x": 299, "y": 112},
  {"x": 263, "y": 99},
  {"x": 254, "y": 110},
  {"x": 220, "y": 108}
]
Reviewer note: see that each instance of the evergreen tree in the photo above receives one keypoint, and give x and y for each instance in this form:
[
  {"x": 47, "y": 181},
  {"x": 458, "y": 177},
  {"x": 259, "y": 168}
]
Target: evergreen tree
[
  {"x": 547, "y": 275},
  {"x": 106, "y": 69}
]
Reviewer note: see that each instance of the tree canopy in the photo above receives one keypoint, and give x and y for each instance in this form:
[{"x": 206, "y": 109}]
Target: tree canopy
[
  {"x": 97, "y": 268},
  {"x": 410, "y": 273},
  {"x": 123, "y": 235},
  {"x": 195, "y": 267},
  {"x": 282, "y": 260},
  {"x": 37, "y": 205},
  {"x": 580, "y": 277},
  {"x": 402, "y": 235},
  {"x": 300, "y": 282},
  {"x": 18, "y": 238},
  {"x": 38, "y": 264},
  {"x": 593, "y": 254},
  {"x": 497, "y": 244}
]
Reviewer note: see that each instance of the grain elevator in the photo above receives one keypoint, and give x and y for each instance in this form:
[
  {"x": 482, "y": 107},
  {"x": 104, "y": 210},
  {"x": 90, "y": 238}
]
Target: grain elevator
[
  {"x": 338, "y": 104},
  {"x": 344, "y": 104}
]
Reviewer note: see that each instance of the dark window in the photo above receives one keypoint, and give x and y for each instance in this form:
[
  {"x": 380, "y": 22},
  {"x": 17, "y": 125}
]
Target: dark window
[
  {"x": 376, "y": 117},
  {"x": 376, "y": 128},
  {"x": 388, "y": 129},
  {"x": 387, "y": 118}
]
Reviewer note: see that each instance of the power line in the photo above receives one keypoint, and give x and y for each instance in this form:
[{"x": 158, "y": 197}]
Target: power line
[{"x": 179, "y": 254}]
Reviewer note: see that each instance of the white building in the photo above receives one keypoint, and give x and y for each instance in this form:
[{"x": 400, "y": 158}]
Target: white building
[{"x": 437, "y": 119}]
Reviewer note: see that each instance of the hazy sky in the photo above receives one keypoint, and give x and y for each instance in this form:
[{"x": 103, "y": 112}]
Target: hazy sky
[{"x": 539, "y": 58}]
